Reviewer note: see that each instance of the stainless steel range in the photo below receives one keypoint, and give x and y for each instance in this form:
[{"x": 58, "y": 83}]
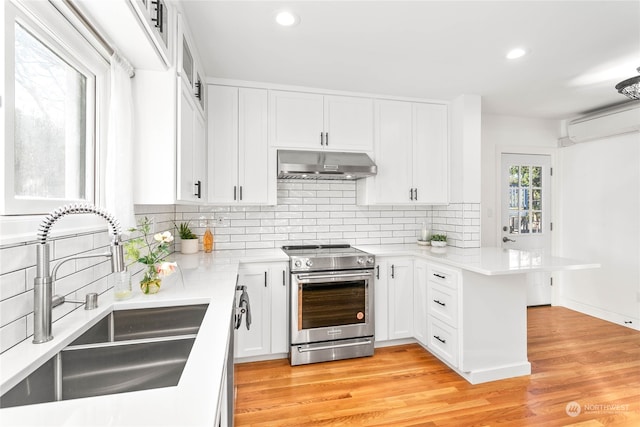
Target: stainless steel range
[{"x": 332, "y": 307}]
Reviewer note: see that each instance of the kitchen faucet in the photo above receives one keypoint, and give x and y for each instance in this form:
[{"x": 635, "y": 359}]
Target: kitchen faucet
[{"x": 43, "y": 298}]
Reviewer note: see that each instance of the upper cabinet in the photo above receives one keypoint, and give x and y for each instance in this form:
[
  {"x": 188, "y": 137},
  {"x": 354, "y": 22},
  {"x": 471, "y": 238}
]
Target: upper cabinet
[
  {"x": 143, "y": 30},
  {"x": 241, "y": 164},
  {"x": 157, "y": 17},
  {"x": 170, "y": 129},
  {"x": 189, "y": 66},
  {"x": 412, "y": 155},
  {"x": 192, "y": 149},
  {"x": 320, "y": 122}
]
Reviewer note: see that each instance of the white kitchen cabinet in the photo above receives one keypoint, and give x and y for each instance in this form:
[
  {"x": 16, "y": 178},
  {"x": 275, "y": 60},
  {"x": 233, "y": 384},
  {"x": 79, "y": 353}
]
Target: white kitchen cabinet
[
  {"x": 170, "y": 134},
  {"x": 420, "y": 303},
  {"x": 267, "y": 288},
  {"x": 412, "y": 155},
  {"x": 443, "y": 335},
  {"x": 191, "y": 149},
  {"x": 279, "y": 308},
  {"x": 400, "y": 287},
  {"x": 241, "y": 164},
  {"x": 381, "y": 289},
  {"x": 157, "y": 17},
  {"x": 189, "y": 66},
  {"x": 320, "y": 122}
]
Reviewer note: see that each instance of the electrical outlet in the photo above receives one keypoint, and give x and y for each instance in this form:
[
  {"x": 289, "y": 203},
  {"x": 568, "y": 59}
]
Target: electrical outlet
[{"x": 220, "y": 221}]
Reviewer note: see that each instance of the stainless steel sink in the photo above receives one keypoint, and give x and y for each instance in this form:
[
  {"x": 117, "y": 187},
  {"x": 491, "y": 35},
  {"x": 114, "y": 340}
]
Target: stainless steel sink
[{"x": 128, "y": 350}]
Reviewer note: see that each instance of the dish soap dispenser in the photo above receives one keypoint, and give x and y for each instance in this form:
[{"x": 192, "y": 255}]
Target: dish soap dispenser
[{"x": 207, "y": 239}]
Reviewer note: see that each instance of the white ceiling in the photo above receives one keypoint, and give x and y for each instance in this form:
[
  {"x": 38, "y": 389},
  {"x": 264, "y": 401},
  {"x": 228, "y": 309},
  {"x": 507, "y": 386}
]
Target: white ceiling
[{"x": 579, "y": 50}]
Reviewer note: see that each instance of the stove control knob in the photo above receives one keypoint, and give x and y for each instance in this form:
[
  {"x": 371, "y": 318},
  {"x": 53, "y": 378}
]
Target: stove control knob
[
  {"x": 297, "y": 263},
  {"x": 360, "y": 261},
  {"x": 370, "y": 260},
  {"x": 309, "y": 263}
]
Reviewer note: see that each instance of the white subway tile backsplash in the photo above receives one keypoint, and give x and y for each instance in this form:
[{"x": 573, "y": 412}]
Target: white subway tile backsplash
[
  {"x": 12, "y": 333},
  {"x": 12, "y": 309},
  {"x": 17, "y": 257},
  {"x": 12, "y": 284}
]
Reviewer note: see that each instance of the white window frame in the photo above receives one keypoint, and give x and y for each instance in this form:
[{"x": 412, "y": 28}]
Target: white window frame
[{"x": 49, "y": 26}]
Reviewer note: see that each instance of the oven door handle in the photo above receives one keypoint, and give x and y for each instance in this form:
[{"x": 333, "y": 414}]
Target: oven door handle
[
  {"x": 328, "y": 347},
  {"x": 310, "y": 278}
]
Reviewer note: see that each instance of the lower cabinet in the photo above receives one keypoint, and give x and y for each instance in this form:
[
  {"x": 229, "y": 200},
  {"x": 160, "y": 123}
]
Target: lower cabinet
[
  {"x": 400, "y": 297},
  {"x": 441, "y": 311},
  {"x": 267, "y": 288}
]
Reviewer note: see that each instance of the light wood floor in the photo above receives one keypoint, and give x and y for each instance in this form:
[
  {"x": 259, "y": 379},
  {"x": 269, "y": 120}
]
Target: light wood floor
[{"x": 574, "y": 358}]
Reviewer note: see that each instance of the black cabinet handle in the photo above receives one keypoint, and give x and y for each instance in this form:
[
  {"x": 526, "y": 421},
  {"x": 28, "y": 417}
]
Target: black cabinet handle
[
  {"x": 377, "y": 272},
  {"x": 440, "y": 303},
  {"x": 440, "y": 339},
  {"x": 415, "y": 194},
  {"x": 159, "y": 15},
  {"x": 411, "y": 194},
  {"x": 326, "y": 139},
  {"x": 284, "y": 280},
  {"x": 439, "y": 275},
  {"x": 198, "y": 192},
  {"x": 321, "y": 138},
  {"x": 241, "y": 192},
  {"x": 234, "y": 192},
  {"x": 393, "y": 271},
  {"x": 198, "y": 93},
  {"x": 265, "y": 279}
]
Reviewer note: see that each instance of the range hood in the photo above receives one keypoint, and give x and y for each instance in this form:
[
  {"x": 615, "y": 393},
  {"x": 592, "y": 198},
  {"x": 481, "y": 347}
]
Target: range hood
[{"x": 294, "y": 164}]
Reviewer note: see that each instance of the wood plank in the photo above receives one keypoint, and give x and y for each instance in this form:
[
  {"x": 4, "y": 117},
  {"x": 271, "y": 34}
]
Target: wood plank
[{"x": 574, "y": 357}]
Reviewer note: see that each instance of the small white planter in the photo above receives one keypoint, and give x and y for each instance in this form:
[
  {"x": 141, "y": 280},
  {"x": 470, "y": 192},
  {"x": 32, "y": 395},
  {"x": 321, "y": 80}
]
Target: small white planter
[
  {"x": 438, "y": 244},
  {"x": 189, "y": 246}
]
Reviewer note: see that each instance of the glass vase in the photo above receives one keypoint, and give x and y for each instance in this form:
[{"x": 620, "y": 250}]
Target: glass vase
[{"x": 151, "y": 281}]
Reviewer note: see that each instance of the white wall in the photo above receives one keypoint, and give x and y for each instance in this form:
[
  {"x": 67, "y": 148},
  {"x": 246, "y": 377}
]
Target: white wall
[
  {"x": 599, "y": 221},
  {"x": 511, "y": 135}
]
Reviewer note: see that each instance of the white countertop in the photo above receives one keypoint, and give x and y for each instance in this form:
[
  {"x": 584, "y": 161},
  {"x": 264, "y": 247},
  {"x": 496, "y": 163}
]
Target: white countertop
[
  {"x": 208, "y": 278},
  {"x": 489, "y": 261}
]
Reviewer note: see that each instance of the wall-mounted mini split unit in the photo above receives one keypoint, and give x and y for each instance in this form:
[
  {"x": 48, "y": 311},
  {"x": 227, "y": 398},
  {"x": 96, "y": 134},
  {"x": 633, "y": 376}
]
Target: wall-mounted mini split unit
[{"x": 605, "y": 123}]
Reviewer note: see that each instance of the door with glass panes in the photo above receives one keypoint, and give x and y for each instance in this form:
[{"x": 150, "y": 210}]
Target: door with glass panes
[{"x": 525, "y": 187}]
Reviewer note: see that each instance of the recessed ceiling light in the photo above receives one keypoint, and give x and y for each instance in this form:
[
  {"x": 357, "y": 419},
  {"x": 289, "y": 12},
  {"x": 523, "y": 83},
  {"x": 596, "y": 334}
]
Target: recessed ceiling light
[
  {"x": 516, "y": 53},
  {"x": 287, "y": 19}
]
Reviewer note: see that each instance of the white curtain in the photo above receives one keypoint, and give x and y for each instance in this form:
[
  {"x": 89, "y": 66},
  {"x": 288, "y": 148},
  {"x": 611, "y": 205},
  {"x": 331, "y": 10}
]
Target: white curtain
[{"x": 119, "y": 164}]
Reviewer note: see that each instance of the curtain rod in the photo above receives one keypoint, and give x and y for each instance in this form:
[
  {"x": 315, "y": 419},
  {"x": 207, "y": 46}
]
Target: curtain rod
[{"x": 110, "y": 50}]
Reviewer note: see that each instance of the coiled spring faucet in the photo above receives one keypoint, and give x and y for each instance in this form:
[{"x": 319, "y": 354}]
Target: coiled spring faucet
[{"x": 43, "y": 298}]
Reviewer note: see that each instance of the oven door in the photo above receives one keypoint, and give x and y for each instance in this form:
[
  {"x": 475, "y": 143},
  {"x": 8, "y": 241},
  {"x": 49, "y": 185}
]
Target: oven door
[{"x": 329, "y": 306}]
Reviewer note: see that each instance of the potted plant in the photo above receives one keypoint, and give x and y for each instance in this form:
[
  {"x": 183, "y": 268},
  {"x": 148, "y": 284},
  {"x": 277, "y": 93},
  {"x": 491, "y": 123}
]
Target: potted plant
[
  {"x": 189, "y": 241},
  {"x": 439, "y": 240}
]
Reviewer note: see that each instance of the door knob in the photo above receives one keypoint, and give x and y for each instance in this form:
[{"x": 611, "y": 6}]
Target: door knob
[{"x": 506, "y": 239}]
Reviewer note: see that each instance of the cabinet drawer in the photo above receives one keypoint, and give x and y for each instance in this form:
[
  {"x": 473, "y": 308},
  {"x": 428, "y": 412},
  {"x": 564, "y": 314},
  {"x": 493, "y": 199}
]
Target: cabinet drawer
[
  {"x": 443, "y": 341},
  {"x": 443, "y": 303},
  {"x": 443, "y": 275}
]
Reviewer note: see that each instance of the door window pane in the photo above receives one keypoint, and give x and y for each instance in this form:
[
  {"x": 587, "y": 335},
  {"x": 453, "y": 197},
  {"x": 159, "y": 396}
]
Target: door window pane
[
  {"x": 536, "y": 222},
  {"x": 50, "y": 123},
  {"x": 514, "y": 197},
  {"x": 514, "y": 176},
  {"x": 536, "y": 176}
]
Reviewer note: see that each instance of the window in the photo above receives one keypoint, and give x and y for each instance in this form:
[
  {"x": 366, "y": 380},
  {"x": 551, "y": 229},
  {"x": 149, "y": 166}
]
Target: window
[
  {"x": 525, "y": 199},
  {"x": 50, "y": 127},
  {"x": 53, "y": 80}
]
